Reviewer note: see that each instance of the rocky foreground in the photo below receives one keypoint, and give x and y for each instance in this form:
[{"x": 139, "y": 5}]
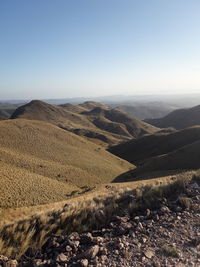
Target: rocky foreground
[{"x": 168, "y": 236}]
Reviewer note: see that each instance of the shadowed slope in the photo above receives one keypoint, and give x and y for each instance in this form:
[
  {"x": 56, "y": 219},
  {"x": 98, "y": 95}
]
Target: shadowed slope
[
  {"x": 179, "y": 119},
  {"x": 141, "y": 149},
  {"x": 185, "y": 158},
  {"x": 34, "y": 152}
]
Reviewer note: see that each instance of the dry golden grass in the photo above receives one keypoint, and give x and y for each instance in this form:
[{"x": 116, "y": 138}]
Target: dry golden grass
[
  {"x": 20, "y": 187},
  {"x": 41, "y": 163},
  {"x": 32, "y": 228}
]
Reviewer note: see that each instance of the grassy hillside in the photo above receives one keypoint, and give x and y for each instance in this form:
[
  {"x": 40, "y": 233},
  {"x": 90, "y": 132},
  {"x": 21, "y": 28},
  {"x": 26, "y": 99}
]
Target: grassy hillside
[
  {"x": 41, "y": 163},
  {"x": 89, "y": 119},
  {"x": 179, "y": 119},
  {"x": 139, "y": 150}
]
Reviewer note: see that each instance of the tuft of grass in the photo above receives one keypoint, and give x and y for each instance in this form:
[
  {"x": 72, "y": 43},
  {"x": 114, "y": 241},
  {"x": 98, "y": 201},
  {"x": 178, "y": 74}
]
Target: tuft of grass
[
  {"x": 196, "y": 176},
  {"x": 170, "y": 251},
  {"x": 186, "y": 202}
]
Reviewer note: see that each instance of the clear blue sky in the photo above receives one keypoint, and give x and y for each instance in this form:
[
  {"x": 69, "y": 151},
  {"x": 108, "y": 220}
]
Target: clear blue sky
[{"x": 68, "y": 48}]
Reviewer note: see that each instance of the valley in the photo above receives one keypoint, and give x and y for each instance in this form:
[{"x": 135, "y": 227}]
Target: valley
[{"x": 60, "y": 164}]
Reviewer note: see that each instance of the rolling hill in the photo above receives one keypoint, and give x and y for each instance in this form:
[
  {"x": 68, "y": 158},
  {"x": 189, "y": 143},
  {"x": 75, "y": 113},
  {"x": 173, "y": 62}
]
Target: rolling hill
[
  {"x": 179, "y": 119},
  {"x": 41, "y": 163},
  {"x": 90, "y": 119}
]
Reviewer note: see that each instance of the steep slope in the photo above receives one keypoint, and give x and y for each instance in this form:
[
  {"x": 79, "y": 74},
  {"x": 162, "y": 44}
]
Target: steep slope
[
  {"x": 41, "y": 163},
  {"x": 139, "y": 150},
  {"x": 187, "y": 157},
  {"x": 109, "y": 125},
  {"x": 179, "y": 119}
]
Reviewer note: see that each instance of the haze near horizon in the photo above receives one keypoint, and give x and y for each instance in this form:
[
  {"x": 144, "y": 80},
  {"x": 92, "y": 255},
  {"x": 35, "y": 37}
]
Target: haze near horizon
[{"x": 64, "y": 49}]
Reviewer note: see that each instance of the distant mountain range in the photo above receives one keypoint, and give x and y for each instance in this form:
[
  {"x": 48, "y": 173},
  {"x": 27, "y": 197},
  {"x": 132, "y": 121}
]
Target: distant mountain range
[
  {"x": 179, "y": 119},
  {"x": 148, "y": 110}
]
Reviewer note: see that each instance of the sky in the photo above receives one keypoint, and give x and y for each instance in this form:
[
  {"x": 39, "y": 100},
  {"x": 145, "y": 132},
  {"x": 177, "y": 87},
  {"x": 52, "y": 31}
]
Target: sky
[{"x": 82, "y": 48}]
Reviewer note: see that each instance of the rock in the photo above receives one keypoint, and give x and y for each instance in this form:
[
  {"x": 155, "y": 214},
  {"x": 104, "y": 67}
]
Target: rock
[
  {"x": 86, "y": 238},
  {"x": 98, "y": 239},
  {"x": 92, "y": 252},
  {"x": 84, "y": 262},
  {"x": 120, "y": 219},
  {"x": 140, "y": 226},
  {"x": 104, "y": 258},
  {"x": 164, "y": 209},
  {"x": 103, "y": 251},
  {"x": 149, "y": 254},
  {"x": 121, "y": 245},
  {"x": 144, "y": 239},
  {"x": 68, "y": 248},
  {"x": 74, "y": 236},
  {"x": 3, "y": 258},
  {"x": 136, "y": 218},
  {"x": 61, "y": 258},
  {"x": 40, "y": 263},
  {"x": 148, "y": 212},
  {"x": 116, "y": 252},
  {"x": 194, "y": 186},
  {"x": 11, "y": 263}
]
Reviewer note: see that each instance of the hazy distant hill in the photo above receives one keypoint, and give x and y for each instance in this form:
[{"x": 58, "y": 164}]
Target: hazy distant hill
[
  {"x": 79, "y": 108},
  {"x": 179, "y": 119},
  {"x": 2, "y": 117},
  {"x": 147, "y": 110},
  {"x": 90, "y": 119},
  {"x": 41, "y": 163},
  {"x": 7, "y": 109}
]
